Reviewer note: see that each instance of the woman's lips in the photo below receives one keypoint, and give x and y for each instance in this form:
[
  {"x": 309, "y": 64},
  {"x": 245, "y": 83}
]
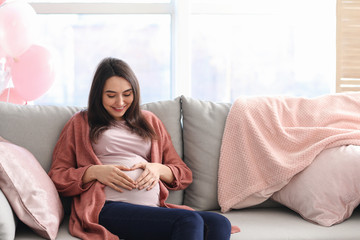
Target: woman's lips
[{"x": 119, "y": 109}]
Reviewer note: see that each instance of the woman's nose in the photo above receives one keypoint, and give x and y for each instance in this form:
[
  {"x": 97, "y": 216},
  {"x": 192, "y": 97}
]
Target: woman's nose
[{"x": 119, "y": 100}]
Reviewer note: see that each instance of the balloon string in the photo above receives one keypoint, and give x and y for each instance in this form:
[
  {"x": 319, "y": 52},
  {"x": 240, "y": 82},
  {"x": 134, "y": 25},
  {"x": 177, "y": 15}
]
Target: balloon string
[{"x": 8, "y": 95}]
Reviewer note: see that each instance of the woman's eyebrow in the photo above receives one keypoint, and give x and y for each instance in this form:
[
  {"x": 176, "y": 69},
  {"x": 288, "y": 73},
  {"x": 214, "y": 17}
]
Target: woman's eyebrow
[
  {"x": 111, "y": 91},
  {"x": 128, "y": 90}
]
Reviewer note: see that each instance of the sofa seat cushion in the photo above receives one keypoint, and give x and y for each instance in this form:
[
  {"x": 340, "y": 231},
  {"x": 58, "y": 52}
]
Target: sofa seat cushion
[
  {"x": 282, "y": 223},
  {"x": 23, "y": 232}
]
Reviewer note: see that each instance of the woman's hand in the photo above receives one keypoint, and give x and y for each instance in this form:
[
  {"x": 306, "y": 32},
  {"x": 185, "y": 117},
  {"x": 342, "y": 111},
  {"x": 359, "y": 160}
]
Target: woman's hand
[
  {"x": 152, "y": 174},
  {"x": 110, "y": 175}
]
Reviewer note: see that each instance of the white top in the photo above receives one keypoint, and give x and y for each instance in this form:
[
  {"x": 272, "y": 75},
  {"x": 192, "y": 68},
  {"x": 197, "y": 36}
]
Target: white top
[{"x": 119, "y": 146}]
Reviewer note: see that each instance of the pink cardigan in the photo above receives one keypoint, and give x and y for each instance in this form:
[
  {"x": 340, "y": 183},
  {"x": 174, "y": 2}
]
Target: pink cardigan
[{"x": 73, "y": 154}]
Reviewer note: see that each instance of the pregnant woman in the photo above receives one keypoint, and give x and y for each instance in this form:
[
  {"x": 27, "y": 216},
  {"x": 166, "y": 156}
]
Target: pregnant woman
[{"x": 118, "y": 162}]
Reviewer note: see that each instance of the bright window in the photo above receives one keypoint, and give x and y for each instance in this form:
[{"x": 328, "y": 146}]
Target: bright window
[
  {"x": 264, "y": 49},
  {"x": 81, "y": 41},
  {"x": 210, "y": 50}
]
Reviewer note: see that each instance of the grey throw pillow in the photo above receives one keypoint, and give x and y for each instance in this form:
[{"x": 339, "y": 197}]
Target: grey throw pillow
[{"x": 203, "y": 127}]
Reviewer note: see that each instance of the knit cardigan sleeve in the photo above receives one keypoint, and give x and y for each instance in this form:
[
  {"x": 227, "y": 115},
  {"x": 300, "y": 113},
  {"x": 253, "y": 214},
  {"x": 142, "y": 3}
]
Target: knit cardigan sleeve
[{"x": 72, "y": 156}]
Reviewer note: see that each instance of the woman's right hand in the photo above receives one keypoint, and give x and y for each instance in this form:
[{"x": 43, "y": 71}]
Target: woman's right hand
[{"x": 110, "y": 175}]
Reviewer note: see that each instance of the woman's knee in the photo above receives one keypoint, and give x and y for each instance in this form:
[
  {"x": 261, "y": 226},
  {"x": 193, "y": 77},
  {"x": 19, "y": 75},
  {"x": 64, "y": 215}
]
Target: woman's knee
[
  {"x": 223, "y": 222},
  {"x": 217, "y": 226},
  {"x": 191, "y": 218},
  {"x": 190, "y": 225}
]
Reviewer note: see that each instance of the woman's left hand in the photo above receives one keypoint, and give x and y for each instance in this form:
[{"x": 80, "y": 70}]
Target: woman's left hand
[{"x": 152, "y": 174}]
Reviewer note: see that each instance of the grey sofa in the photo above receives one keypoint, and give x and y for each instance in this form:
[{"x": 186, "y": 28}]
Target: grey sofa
[{"x": 196, "y": 128}]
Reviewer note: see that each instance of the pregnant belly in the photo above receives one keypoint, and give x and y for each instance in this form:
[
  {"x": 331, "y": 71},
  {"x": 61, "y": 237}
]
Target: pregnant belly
[{"x": 134, "y": 196}]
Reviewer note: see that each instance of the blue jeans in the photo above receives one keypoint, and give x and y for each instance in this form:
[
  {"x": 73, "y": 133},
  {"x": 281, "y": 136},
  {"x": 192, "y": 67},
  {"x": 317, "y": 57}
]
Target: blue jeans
[{"x": 136, "y": 222}]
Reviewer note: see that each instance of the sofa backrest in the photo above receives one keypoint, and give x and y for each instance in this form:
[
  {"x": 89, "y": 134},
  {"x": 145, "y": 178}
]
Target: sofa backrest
[
  {"x": 34, "y": 127},
  {"x": 37, "y": 128}
]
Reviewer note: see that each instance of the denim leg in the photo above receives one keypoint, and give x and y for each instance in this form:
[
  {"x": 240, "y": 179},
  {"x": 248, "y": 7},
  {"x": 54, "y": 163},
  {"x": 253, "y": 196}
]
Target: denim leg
[
  {"x": 217, "y": 227},
  {"x": 136, "y": 222}
]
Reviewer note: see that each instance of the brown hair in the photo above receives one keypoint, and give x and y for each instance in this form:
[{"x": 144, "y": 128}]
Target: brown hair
[{"x": 98, "y": 118}]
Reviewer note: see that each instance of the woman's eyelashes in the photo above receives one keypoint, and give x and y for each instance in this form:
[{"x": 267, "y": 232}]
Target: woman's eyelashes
[{"x": 125, "y": 94}]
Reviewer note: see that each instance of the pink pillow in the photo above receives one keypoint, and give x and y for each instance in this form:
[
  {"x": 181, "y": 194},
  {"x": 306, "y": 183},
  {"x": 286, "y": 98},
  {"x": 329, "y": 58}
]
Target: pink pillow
[
  {"x": 30, "y": 192},
  {"x": 328, "y": 190}
]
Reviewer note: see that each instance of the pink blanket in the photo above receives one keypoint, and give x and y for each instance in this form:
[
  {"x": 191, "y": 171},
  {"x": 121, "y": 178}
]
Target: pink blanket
[{"x": 267, "y": 140}]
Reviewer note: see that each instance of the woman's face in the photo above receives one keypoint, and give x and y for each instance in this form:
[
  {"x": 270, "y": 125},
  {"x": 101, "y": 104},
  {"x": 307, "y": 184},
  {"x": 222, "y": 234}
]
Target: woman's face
[{"x": 117, "y": 96}]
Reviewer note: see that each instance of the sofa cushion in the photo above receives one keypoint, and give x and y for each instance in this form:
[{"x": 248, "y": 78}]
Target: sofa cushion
[
  {"x": 23, "y": 232},
  {"x": 29, "y": 190},
  {"x": 284, "y": 224},
  {"x": 7, "y": 219},
  {"x": 169, "y": 112},
  {"x": 328, "y": 190},
  {"x": 34, "y": 127},
  {"x": 203, "y": 127}
]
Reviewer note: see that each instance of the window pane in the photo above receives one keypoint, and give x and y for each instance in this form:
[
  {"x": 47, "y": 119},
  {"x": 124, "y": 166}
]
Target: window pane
[
  {"x": 81, "y": 41},
  {"x": 258, "y": 54}
]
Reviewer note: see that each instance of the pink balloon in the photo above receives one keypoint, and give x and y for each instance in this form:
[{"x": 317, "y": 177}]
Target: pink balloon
[
  {"x": 2, "y": 52},
  {"x": 10, "y": 95},
  {"x": 17, "y": 27},
  {"x": 33, "y": 73}
]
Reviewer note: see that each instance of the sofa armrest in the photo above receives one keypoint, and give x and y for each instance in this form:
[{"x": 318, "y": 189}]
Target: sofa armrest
[{"x": 8, "y": 221}]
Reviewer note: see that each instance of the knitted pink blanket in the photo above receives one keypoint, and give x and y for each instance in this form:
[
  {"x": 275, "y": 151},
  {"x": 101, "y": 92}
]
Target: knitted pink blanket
[{"x": 267, "y": 140}]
